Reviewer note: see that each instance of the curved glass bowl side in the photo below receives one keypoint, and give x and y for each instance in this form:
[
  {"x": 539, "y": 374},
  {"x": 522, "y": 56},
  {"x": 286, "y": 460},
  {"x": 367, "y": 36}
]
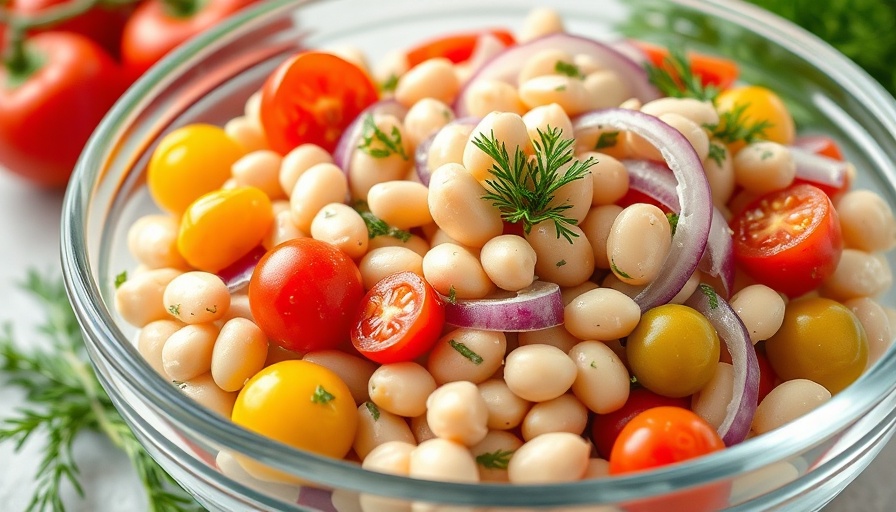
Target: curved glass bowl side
[{"x": 208, "y": 80}]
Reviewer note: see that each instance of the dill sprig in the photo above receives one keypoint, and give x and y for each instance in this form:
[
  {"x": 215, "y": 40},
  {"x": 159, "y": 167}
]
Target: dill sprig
[
  {"x": 379, "y": 144},
  {"x": 523, "y": 188},
  {"x": 733, "y": 127},
  {"x": 66, "y": 399},
  {"x": 377, "y": 226},
  {"x": 674, "y": 77}
]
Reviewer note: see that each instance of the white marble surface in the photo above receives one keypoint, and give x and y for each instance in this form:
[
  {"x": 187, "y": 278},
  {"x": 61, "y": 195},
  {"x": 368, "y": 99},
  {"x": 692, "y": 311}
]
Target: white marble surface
[{"x": 29, "y": 232}]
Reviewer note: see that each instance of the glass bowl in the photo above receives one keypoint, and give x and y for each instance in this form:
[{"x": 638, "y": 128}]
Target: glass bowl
[{"x": 799, "y": 467}]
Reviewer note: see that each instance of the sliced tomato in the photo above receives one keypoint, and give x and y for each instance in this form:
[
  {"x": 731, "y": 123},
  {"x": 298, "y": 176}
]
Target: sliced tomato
[
  {"x": 312, "y": 98},
  {"x": 399, "y": 319},
  {"x": 789, "y": 239},
  {"x": 457, "y": 47},
  {"x": 712, "y": 70},
  {"x": 605, "y": 428}
]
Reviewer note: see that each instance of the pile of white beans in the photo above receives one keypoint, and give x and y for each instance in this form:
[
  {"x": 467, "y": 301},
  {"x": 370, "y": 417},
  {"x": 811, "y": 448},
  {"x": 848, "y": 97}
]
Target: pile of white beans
[{"x": 531, "y": 393}]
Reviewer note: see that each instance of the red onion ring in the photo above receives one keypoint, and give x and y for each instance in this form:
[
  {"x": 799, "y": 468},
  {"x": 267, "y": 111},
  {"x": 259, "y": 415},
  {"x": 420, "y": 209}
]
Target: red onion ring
[
  {"x": 817, "y": 168},
  {"x": 537, "y": 307},
  {"x": 740, "y": 411},
  {"x": 695, "y": 215},
  {"x": 350, "y": 139},
  {"x": 421, "y": 153},
  {"x": 237, "y": 275},
  {"x": 656, "y": 181},
  {"x": 506, "y": 65}
]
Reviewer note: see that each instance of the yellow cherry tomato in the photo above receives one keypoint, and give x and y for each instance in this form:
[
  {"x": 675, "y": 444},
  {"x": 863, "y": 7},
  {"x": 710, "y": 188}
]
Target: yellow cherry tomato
[
  {"x": 190, "y": 162},
  {"x": 820, "y": 340},
  {"x": 761, "y": 104},
  {"x": 222, "y": 226}
]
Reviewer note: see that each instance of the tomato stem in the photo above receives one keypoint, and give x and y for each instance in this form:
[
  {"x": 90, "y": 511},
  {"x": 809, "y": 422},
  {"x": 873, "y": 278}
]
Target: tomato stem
[
  {"x": 183, "y": 8},
  {"x": 46, "y": 17}
]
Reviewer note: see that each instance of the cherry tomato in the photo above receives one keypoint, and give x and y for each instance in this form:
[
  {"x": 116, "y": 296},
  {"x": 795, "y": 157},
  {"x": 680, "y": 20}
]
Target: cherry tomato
[
  {"x": 824, "y": 146},
  {"x": 49, "y": 107},
  {"x": 789, "y": 240},
  {"x": 304, "y": 294},
  {"x": 662, "y": 435},
  {"x": 102, "y": 23},
  {"x": 712, "y": 70},
  {"x": 767, "y": 377},
  {"x": 760, "y": 104},
  {"x": 301, "y": 404},
  {"x": 222, "y": 226},
  {"x": 605, "y": 428},
  {"x": 189, "y": 162},
  {"x": 456, "y": 47},
  {"x": 312, "y": 98},
  {"x": 400, "y": 319},
  {"x": 156, "y": 27}
]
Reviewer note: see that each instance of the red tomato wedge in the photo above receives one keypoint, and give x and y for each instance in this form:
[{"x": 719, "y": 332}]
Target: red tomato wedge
[
  {"x": 789, "y": 239},
  {"x": 312, "y": 98},
  {"x": 399, "y": 319},
  {"x": 456, "y": 48},
  {"x": 712, "y": 70}
]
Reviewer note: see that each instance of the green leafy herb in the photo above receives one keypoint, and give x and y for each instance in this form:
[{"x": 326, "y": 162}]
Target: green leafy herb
[
  {"x": 121, "y": 278},
  {"x": 498, "y": 459},
  {"x": 66, "y": 400},
  {"x": 618, "y": 271},
  {"x": 390, "y": 84},
  {"x": 568, "y": 69},
  {"x": 377, "y": 227},
  {"x": 673, "y": 221},
  {"x": 675, "y": 78},
  {"x": 560, "y": 263},
  {"x": 377, "y": 143},
  {"x": 523, "y": 189},
  {"x": 733, "y": 126},
  {"x": 321, "y": 395},
  {"x": 373, "y": 409},
  {"x": 717, "y": 153},
  {"x": 607, "y": 140},
  {"x": 466, "y": 352},
  {"x": 174, "y": 309},
  {"x": 711, "y": 296},
  {"x": 452, "y": 295}
]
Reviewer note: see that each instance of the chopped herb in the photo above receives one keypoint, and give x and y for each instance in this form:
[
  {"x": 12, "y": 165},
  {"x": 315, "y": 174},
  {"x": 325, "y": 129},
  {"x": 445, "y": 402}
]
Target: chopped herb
[
  {"x": 373, "y": 409},
  {"x": 618, "y": 271},
  {"x": 452, "y": 295},
  {"x": 174, "y": 309},
  {"x": 675, "y": 78},
  {"x": 560, "y": 88},
  {"x": 377, "y": 227},
  {"x": 321, "y": 395},
  {"x": 717, "y": 153},
  {"x": 329, "y": 214},
  {"x": 121, "y": 278},
  {"x": 390, "y": 144},
  {"x": 522, "y": 188},
  {"x": 568, "y": 69},
  {"x": 607, "y": 140},
  {"x": 213, "y": 309},
  {"x": 634, "y": 381},
  {"x": 673, "y": 221},
  {"x": 707, "y": 290},
  {"x": 593, "y": 364},
  {"x": 466, "y": 352},
  {"x": 561, "y": 263},
  {"x": 498, "y": 459},
  {"x": 390, "y": 84},
  {"x": 766, "y": 154},
  {"x": 734, "y": 127}
]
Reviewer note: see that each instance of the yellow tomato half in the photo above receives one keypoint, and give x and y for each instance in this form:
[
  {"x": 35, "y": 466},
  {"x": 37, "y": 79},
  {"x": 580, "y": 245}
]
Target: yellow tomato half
[{"x": 760, "y": 104}]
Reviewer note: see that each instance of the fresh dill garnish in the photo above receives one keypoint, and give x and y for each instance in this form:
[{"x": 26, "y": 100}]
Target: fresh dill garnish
[
  {"x": 373, "y": 410},
  {"x": 452, "y": 295},
  {"x": 607, "y": 140},
  {"x": 66, "y": 400},
  {"x": 734, "y": 127},
  {"x": 321, "y": 395},
  {"x": 616, "y": 270},
  {"x": 379, "y": 144},
  {"x": 174, "y": 309},
  {"x": 121, "y": 278},
  {"x": 717, "y": 153},
  {"x": 711, "y": 296},
  {"x": 390, "y": 84},
  {"x": 498, "y": 459},
  {"x": 568, "y": 69},
  {"x": 523, "y": 188},
  {"x": 378, "y": 227},
  {"x": 673, "y": 221},
  {"x": 466, "y": 352},
  {"x": 675, "y": 78}
]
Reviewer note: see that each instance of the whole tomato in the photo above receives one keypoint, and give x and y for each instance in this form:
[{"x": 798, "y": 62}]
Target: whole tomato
[
  {"x": 101, "y": 23},
  {"x": 156, "y": 27},
  {"x": 51, "y": 102}
]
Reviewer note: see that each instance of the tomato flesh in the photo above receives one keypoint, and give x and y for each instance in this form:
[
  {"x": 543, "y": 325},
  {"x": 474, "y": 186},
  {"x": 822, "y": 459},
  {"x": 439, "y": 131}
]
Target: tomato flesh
[
  {"x": 712, "y": 70},
  {"x": 399, "y": 319},
  {"x": 789, "y": 240},
  {"x": 457, "y": 47},
  {"x": 312, "y": 98}
]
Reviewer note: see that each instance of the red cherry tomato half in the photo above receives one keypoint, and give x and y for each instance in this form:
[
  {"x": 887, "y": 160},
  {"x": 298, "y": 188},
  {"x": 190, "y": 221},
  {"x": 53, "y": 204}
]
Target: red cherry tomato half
[
  {"x": 712, "y": 70},
  {"x": 789, "y": 239},
  {"x": 312, "y": 98},
  {"x": 303, "y": 294},
  {"x": 605, "y": 428},
  {"x": 456, "y": 47},
  {"x": 662, "y": 435},
  {"x": 400, "y": 319}
]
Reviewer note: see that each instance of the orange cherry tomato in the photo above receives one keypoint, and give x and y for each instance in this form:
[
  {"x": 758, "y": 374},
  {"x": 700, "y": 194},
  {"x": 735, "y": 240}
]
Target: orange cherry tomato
[
  {"x": 789, "y": 239},
  {"x": 712, "y": 70},
  {"x": 456, "y": 47},
  {"x": 399, "y": 319},
  {"x": 605, "y": 428},
  {"x": 760, "y": 104},
  {"x": 312, "y": 98}
]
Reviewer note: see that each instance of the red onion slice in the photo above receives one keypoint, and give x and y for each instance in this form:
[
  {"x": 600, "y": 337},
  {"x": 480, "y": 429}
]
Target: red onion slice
[
  {"x": 695, "y": 215},
  {"x": 237, "y": 275},
  {"x": 656, "y": 181},
  {"x": 421, "y": 153},
  {"x": 537, "y": 307},
  {"x": 817, "y": 168},
  {"x": 506, "y": 65},
  {"x": 351, "y": 137},
  {"x": 740, "y": 411}
]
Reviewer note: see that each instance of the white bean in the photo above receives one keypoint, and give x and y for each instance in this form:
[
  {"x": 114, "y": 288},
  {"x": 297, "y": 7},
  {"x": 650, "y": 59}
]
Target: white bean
[
  {"x": 247, "y": 132},
  {"x": 453, "y": 269},
  {"x": 719, "y": 171},
  {"x": 260, "y": 169},
  {"x": 602, "y": 380},
  {"x": 432, "y": 78},
  {"x": 375, "y": 162},
  {"x": 509, "y": 261},
  {"x": 487, "y": 95},
  {"x": 866, "y": 221},
  {"x": 568, "y": 92},
  {"x": 702, "y": 113},
  {"x": 299, "y": 160},
  {"x": 187, "y": 353},
  {"x": 858, "y": 274},
  {"x": 711, "y": 402},
  {"x": 639, "y": 243},
  {"x": 196, "y": 297},
  {"x": 540, "y": 21},
  {"x": 544, "y": 62},
  {"x": 457, "y": 206},
  {"x": 282, "y": 229},
  {"x": 694, "y": 133},
  {"x": 545, "y": 117},
  {"x": 606, "y": 140},
  {"x": 151, "y": 339},
  {"x": 457, "y": 412},
  {"x": 602, "y": 314},
  {"x": 317, "y": 187},
  {"x": 506, "y": 410},
  {"x": 598, "y": 468},
  {"x": 597, "y": 226},
  {"x": 353, "y": 370},
  {"x": 761, "y": 309},
  {"x": 443, "y": 460},
  {"x": 425, "y": 118},
  {"x": 505, "y": 127},
  {"x": 493, "y": 453},
  {"x": 539, "y": 372},
  {"x": 467, "y": 354},
  {"x": 556, "y": 336},
  {"x": 550, "y": 458},
  {"x": 203, "y": 390},
  {"x": 876, "y": 324},
  {"x": 609, "y": 178},
  {"x": 562, "y": 414},
  {"x": 565, "y": 262},
  {"x": 577, "y": 194},
  {"x": 239, "y": 353},
  {"x": 384, "y": 261},
  {"x": 421, "y": 429},
  {"x": 341, "y": 226},
  {"x": 415, "y": 243},
  {"x": 239, "y": 308},
  {"x": 152, "y": 240},
  {"x": 403, "y": 204},
  {"x": 139, "y": 299},
  {"x": 764, "y": 166},
  {"x": 392, "y": 457},
  {"x": 605, "y": 89},
  {"x": 401, "y": 388},
  {"x": 787, "y": 402},
  {"x": 377, "y": 427},
  {"x": 448, "y": 146}
]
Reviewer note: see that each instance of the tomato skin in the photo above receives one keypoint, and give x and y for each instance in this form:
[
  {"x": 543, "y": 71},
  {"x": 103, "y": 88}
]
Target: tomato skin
[
  {"x": 605, "y": 428},
  {"x": 102, "y": 24},
  {"x": 760, "y": 104},
  {"x": 153, "y": 30},
  {"x": 792, "y": 259},
  {"x": 456, "y": 47},
  {"x": 712, "y": 70},
  {"x": 419, "y": 319},
  {"x": 304, "y": 293},
  {"x": 768, "y": 379},
  {"x": 660, "y": 436},
  {"x": 46, "y": 119},
  {"x": 312, "y": 98}
]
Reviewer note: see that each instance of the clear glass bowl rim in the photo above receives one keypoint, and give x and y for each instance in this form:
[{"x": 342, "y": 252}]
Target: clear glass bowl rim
[{"x": 116, "y": 351}]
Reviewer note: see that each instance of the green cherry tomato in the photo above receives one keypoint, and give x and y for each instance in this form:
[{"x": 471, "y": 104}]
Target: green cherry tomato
[
  {"x": 820, "y": 340},
  {"x": 673, "y": 350}
]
